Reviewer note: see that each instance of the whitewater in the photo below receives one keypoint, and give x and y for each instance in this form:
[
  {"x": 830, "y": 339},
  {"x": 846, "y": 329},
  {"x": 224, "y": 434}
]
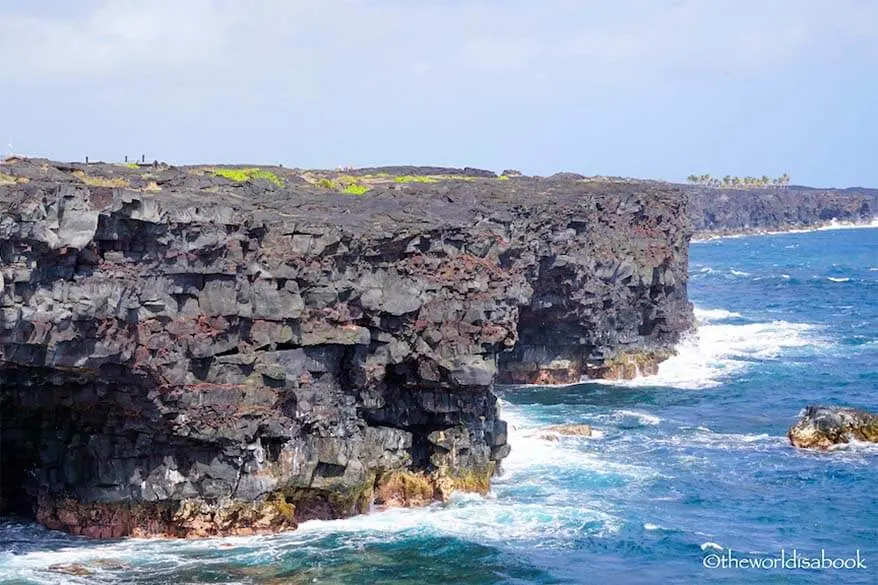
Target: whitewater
[{"x": 690, "y": 462}]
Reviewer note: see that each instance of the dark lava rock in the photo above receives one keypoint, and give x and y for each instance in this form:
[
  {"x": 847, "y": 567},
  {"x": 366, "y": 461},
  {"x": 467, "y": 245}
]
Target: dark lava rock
[
  {"x": 187, "y": 351},
  {"x": 725, "y": 211},
  {"x": 821, "y": 427}
]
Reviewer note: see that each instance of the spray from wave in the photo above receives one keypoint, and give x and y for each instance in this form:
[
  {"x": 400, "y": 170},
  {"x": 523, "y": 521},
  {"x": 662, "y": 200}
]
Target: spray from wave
[{"x": 724, "y": 346}]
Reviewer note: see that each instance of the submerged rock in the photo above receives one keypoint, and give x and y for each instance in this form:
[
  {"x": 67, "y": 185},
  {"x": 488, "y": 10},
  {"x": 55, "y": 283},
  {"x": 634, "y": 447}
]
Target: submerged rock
[
  {"x": 75, "y": 569},
  {"x": 551, "y": 433},
  {"x": 821, "y": 427}
]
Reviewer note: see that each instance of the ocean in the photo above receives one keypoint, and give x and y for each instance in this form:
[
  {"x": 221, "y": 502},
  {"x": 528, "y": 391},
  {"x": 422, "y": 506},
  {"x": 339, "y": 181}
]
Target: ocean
[{"x": 688, "y": 479}]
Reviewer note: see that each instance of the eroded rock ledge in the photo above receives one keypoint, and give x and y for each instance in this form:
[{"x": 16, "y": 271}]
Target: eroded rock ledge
[{"x": 187, "y": 354}]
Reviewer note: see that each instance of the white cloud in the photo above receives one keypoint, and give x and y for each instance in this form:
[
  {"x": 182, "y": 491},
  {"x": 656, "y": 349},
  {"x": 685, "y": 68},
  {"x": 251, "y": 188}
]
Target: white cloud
[
  {"x": 114, "y": 37},
  {"x": 322, "y": 40},
  {"x": 691, "y": 37}
]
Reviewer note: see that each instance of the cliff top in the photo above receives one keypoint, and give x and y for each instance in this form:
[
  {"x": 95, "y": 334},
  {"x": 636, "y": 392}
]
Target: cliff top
[{"x": 383, "y": 199}]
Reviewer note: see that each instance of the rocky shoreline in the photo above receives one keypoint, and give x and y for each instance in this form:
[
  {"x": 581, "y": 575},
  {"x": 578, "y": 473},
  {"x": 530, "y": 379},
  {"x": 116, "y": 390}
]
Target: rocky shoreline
[
  {"x": 201, "y": 351},
  {"x": 708, "y": 236},
  {"x": 728, "y": 212}
]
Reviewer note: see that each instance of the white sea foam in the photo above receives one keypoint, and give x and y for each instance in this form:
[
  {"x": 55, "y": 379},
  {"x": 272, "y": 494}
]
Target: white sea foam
[
  {"x": 555, "y": 520},
  {"x": 478, "y": 521},
  {"x": 643, "y": 418},
  {"x": 728, "y": 441},
  {"x": 719, "y": 350},
  {"x": 839, "y": 279},
  {"x": 711, "y": 545},
  {"x": 530, "y": 451},
  {"x": 855, "y": 446},
  {"x": 703, "y": 315},
  {"x": 739, "y": 272}
]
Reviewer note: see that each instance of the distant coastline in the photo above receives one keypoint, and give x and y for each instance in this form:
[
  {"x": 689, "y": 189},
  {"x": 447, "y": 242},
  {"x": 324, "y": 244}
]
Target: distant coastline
[{"x": 833, "y": 224}]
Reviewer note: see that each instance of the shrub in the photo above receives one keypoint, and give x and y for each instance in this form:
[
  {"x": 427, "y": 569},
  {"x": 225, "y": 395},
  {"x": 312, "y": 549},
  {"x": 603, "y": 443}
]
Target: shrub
[
  {"x": 355, "y": 189},
  {"x": 342, "y": 183},
  {"x": 110, "y": 182},
  {"x": 242, "y": 175}
]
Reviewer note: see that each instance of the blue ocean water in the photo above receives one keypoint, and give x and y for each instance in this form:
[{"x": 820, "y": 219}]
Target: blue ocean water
[{"x": 688, "y": 466}]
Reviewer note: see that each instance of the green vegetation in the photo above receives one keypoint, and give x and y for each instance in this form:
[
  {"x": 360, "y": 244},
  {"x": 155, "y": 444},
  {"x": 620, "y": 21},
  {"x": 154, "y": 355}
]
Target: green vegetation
[
  {"x": 731, "y": 182},
  {"x": 503, "y": 178},
  {"x": 415, "y": 179},
  {"x": 132, "y": 165},
  {"x": 248, "y": 174},
  {"x": 473, "y": 481},
  {"x": 342, "y": 183},
  {"x": 355, "y": 189},
  {"x": 109, "y": 182},
  {"x": 7, "y": 179}
]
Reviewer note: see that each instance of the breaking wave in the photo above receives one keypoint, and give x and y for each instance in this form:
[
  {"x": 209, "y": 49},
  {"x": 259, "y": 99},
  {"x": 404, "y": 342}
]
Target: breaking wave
[{"x": 720, "y": 349}]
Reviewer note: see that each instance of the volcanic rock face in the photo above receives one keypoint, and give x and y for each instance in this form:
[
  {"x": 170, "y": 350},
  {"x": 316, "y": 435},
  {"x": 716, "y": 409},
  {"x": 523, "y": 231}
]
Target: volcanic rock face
[
  {"x": 187, "y": 354},
  {"x": 721, "y": 211},
  {"x": 821, "y": 427}
]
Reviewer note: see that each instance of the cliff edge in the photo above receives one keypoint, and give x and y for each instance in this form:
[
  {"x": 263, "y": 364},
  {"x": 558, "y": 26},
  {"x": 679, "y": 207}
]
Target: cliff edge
[{"x": 215, "y": 350}]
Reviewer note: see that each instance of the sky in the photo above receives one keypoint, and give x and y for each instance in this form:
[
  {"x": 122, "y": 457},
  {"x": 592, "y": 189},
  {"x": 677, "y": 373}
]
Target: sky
[{"x": 635, "y": 88}]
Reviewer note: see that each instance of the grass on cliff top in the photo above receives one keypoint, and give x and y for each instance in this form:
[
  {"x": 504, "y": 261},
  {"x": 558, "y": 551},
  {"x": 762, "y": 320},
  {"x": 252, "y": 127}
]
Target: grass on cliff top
[
  {"x": 110, "y": 182},
  {"x": 415, "y": 179},
  {"x": 7, "y": 179},
  {"x": 343, "y": 184},
  {"x": 356, "y": 189},
  {"x": 242, "y": 175},
  {"x": 431, "y": 178}
]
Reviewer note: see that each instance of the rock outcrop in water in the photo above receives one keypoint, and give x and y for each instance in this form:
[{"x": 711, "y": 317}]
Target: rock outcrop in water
[
  {"x": 197, "y": 351},
  {"x": 821, "y": 427},
  {"x": 727, "y": 211}
]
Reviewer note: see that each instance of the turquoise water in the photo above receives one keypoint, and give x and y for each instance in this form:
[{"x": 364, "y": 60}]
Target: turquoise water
[{"x": 691, "y": 463}]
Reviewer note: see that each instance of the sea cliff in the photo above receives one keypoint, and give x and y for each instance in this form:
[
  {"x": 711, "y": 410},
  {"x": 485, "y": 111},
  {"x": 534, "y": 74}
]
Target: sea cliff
[
  {"x": 721, "y": 211},
  {"x": 202, "y": 351}
]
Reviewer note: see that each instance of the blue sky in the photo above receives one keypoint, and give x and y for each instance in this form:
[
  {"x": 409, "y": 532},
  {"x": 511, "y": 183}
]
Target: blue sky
[{"x": 641, "y": 88}]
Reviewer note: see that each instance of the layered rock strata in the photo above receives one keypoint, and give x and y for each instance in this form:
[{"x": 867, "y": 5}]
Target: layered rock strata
[{"x": 200, "y": 351}]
